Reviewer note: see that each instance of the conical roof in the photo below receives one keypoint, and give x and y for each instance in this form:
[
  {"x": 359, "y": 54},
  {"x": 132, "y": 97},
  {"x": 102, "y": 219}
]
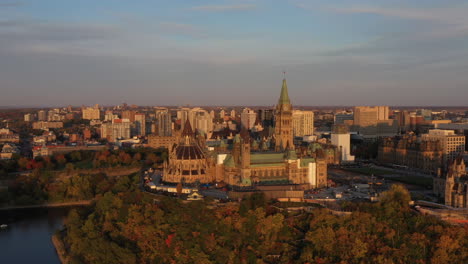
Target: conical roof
[
  {"x": 188, "y": 131},
  {"x": 284, "y": 97}
]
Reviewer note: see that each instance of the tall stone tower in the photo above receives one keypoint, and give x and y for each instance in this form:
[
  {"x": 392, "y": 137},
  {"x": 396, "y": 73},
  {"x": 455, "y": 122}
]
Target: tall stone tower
[{"x": 283, "y": 121}]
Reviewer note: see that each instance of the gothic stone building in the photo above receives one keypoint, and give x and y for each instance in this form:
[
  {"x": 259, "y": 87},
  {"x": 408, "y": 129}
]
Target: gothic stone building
[
  {"x": 411, "y": 151},
  {"x": 189, "y": 161},
  {"x": 452, "y": 184}
]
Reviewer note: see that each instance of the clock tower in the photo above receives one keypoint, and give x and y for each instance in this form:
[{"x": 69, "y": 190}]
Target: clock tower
[{"x": 283, "y": 121}]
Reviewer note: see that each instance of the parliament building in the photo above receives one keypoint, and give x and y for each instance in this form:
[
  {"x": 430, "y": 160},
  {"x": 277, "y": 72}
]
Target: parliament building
[{"x": 240, "y": 162}]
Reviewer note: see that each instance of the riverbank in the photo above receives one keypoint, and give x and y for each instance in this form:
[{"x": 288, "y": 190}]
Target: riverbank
[
  {"x": 59, "y": 245},
  {"x": 48, "y": 205}
]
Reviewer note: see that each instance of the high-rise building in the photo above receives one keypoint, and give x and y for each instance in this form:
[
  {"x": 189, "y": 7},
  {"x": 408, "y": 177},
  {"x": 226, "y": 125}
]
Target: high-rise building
[
  {"x": 248, "y": 117},
  {"x": 341, "y": 118},
  {"x": 140, "y": 124},
  {"x": 109, "y": 116},
  {"x": 203, "y": 121},
  {"x": 118, "y": 129},
  {"x": 91, "y": 113},
  {"x": 283, "y": 121},
  {"x": 164, "y": 123},
  {"x": 452, "y": 144},
  {"x": 42, "y": 115},
  {"x": 233, "y": 114},
  {"x": 129, "y": 114},
  {"x": 302, "y": 123},
  {"x": 222, "y": 113},
  {"x": 266, "y": 117},
  {"x": 369, "y": 116}
]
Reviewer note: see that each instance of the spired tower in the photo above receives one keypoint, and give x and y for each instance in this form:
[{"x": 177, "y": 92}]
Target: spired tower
[{"x": 283, "y": 121}]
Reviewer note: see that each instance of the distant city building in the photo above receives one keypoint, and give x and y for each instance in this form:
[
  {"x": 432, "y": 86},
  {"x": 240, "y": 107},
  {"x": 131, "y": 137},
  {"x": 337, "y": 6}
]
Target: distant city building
[
  {"x": 371, "y": 122},
  {"x": 266, "y": 116},
  {"x": 129, "y": 114},
  {"x": 248, "y": 117},
  {"x": 452, "y": 144},
  {"x": 91, "y": 113},
  {"x": 341, "y": 118},
  {"x": 29, "y": 117},
  {"x": 369, "y": 116},
  {"x": 46, "y": 125},
  {"x": 8, "y": 136},
  {"x": 164, "y": 123},
  {"x": 140, "y": 124},
  {"x": 41, "y": 115},
  {"x": 302, "y": 123},
  {"x": 109, "y": 116},
  {"x": 118, "y": 129}
]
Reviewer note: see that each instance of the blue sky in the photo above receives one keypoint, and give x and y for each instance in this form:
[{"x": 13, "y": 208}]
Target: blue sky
[{"x": 233, "y": 52}]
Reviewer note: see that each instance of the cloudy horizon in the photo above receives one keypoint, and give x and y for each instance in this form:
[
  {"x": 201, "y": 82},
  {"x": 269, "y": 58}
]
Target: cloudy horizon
[{"x": 233, "y": 52}]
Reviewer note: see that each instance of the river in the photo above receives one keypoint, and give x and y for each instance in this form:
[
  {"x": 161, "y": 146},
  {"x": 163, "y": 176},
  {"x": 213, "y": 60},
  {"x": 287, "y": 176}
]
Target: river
[{"x": 28, "y": 236}]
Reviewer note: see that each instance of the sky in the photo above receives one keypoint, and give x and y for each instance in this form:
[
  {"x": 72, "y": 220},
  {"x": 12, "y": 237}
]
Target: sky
[{"x": 233, "y": 52}]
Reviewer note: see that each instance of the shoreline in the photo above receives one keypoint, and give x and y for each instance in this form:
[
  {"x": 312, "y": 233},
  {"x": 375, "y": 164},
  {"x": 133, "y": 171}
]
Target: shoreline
[
  {"x": 60, "y": 248},
  {"x": 47, "y": 205}
]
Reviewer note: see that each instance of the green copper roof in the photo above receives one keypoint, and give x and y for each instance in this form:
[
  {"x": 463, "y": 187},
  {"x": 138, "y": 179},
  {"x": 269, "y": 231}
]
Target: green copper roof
[
  {"x": 264, "y": 158},
  {"x": 229, "y": 162},
  {"x": 284, "y": 97},
  {"x": 305, "y": 162},
  {"x": 291, "y": 155}
]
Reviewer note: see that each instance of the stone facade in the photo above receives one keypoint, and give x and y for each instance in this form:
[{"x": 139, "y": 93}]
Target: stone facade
[
  {"x": 246, "y": 161},
  {"x": 411, "y": 151}
]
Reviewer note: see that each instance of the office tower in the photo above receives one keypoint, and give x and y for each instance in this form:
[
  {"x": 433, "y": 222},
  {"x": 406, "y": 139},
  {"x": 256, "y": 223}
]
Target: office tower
[
  {"x": 302, "y": 123},
  {"x": 341, "y": 138},
  {"x": 369, "y": 116},
  {"x": 140, "y": 124},
  {"x": 109, "y": 116},
  {"x": 233, "y": 114},
  {"x": 342, "y": 118},
  {"x": 222, "y": 113},
  {"x": 164, "y": 123},
  {"x": 203, "y": 121},
  {"x": 129, "y": 114},
  {"x": 118, "y": 129},
  {"x": 283, "y": 121},
  {"x": 266, "y": 117},
  {"x": 452, "y": 144},
  {"x": 42, "y": 115},
  {"x": 403, "y": 119},
  {"x": 212, "y": 114},
  {"x": 248, "y": 117},
  {"x": 91, "y": 113}
]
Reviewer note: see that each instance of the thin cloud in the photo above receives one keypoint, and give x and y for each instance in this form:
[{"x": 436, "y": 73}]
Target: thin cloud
[
  {"x": 224, "y": 8},
  {"x": 11, "y": 4},
  {"x": 181, "y": 29}
]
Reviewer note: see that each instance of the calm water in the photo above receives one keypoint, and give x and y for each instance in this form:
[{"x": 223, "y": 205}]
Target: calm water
[{"x": 28, "y": 236}]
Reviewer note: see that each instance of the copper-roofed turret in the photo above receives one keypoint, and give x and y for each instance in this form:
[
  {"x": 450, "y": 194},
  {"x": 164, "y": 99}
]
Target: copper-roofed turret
[{"x": 284, "y": 96}]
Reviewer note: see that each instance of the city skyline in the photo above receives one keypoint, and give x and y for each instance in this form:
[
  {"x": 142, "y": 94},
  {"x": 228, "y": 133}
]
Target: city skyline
[{"x": 233, "y": 52}]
